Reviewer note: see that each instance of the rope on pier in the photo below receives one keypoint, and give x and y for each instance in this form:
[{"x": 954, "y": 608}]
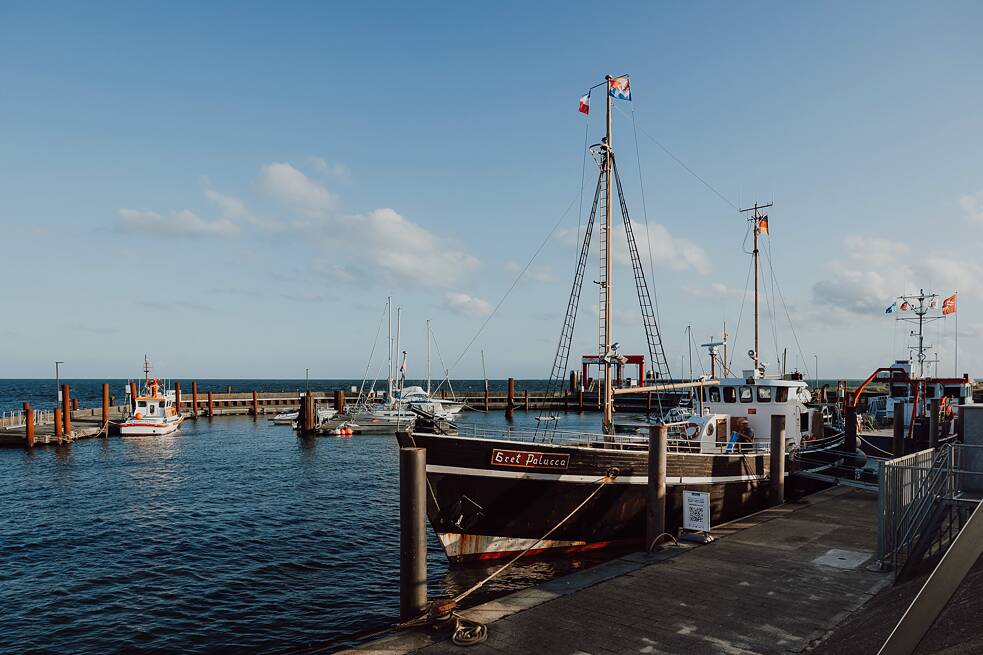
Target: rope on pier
[{"x": 467, "y": 632}]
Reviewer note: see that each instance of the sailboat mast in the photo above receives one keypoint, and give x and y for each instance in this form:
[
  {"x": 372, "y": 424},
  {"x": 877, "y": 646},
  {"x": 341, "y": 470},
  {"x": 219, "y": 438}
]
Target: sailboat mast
[
  {"x": 608, "y": 423},
  {"x": 757, "y": 218},
  {"x": 399, "y": 311},
  {"x": 428, "y": 356},
  {"x": 389, "y": 343}
]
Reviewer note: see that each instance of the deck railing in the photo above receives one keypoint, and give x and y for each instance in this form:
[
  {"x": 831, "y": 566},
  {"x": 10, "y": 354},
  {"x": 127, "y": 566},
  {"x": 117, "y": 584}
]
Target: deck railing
[{"x": 18, "y": 418}]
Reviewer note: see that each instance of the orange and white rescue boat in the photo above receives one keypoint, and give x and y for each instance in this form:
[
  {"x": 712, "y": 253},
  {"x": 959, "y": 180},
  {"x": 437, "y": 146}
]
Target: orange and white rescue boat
[{"x": 154, "y": 412}]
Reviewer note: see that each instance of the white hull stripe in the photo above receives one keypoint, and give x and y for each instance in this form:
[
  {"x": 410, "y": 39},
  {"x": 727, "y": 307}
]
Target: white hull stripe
[{"x": 565, "y": 477}]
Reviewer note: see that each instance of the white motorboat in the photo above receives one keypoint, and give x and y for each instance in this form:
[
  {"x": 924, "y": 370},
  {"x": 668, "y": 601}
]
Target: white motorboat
[{"x": 154, "y": 412}]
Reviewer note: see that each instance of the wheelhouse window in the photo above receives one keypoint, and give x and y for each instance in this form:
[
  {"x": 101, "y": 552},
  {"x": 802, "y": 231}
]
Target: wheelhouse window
[
  {"x": 781, "y": 394},
  {"x": 764, "y": 394},
  {"x": 730, "y": 395},
  {"x": 804, "y": 421},
  {"x": 141, "y": 403},
  {"x": 714, "y": 393},
  {"x": 746, "y": 394}
]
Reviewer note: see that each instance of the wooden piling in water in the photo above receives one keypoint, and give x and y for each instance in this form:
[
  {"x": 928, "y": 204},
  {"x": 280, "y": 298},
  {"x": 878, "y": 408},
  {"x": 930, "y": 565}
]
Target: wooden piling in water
[
  {"x": 59, "y": 428},
  {"x": 66, "y": 398},
  {"x": 105, "y": 408},
  {"x": 177, "y": 396},
  {"x": 194, "y": 398},
  {"x": 211, "y": 405},
  {"x": 525, "y": 399},
  {"x": 655, "y": 516},
  {"x": 777, "y": 463},
  {"x": 580, "y": 400},
  {"x": 412, "y": 532},
  {"x": 339, "y": 400},
  {"x": 573, "y": 382},
  {"x": 899, "y": 411},
  {"x": 486, "y": 400},
  {"x": 75, "y": 404},
  {"x": 29, "y": 427},
  {"x": 255, "y": 405},
  {"x": 510, "y": 398},
  {"x": 133, "y": 396}
]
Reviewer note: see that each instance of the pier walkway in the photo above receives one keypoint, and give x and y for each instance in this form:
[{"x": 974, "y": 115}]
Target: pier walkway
[{"x": 779, "y": 581}]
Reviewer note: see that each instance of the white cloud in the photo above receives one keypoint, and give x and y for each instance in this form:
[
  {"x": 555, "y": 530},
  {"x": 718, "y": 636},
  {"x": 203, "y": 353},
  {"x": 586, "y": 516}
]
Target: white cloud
[
  {"x": 184, "y": 223},
  {"x": 972, "y": 204},
  {"x": 668, "y": 252},
  {"x": 410, "y": 253},
  {"x": 465, "y": 305},
  {"x": 293, "y": 188},
  {"x": 230, "y": 206},
  {"x": 542, "y": 274},
  {"x": 325, "y": 169},
  {"x": 717, "y": 291},
  {"x": 875, "y": 271}
]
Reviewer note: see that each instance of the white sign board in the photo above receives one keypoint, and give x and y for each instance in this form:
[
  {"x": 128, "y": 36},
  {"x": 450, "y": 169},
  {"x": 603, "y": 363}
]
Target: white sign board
[{"x": 696, "y": 511}]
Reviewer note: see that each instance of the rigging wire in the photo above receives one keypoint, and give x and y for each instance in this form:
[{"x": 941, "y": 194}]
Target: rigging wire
[
  {"x": 682, "y": 164},
  {"x": 788, "y": 316},
  {"x": 645, "y": 218},
  {"x": 368, "y": 364},
  {"x": 515, "y": 282},
  {"x": 740, "y": 314},
  {"x": 583, "y": 174}
]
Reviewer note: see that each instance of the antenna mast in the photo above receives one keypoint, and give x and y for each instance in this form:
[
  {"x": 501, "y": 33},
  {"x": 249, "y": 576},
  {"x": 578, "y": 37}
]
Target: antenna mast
[
  {"x": 757, "y": 217},
  {"x": 920, "y": 304}
]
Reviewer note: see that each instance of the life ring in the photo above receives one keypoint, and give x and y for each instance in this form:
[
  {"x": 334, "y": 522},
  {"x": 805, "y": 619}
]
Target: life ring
[{"x": 692, "y": 430}]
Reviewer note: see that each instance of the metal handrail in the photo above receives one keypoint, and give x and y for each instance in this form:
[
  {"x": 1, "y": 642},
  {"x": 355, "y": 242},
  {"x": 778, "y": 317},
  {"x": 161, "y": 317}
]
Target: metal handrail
[{"x": 917, "y": 512}]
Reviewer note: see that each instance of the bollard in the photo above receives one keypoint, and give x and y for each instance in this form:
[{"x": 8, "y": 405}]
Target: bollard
[
  {"x": 933, "y": 423},
  {"x": 194, "y": 399},
  {"x": 777, "y": 463},
  {"x": 525, "y": 399},
  {"x": 899, "y": 410},
  {"x": 29, "y": 427},
  {"x": 339, "y": 400},
  {"x": 67, "y": 410},
  {"x": 105, "y": 408},
  {"x": 655, "y": 517},
  {"x": 177, "y": 396},
  {"x": 58, "y": 425},
  {"x": 255, "y": 405},
  {"x": 510, "y": 397},
  {"x": 211, "y": 405},
  {"x": 412, "y": 532},
  {"x": 850, "y": 441}
]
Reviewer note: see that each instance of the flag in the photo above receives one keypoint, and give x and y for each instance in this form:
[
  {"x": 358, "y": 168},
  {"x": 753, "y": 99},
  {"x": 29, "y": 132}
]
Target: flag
[
  {"x": 933, "y": 303},
  {"x": 949, "y": 305},
  {"x": 763, "y": 225},
  {"x": 618, "y": 87},
  {"x": 585, "y": 104},
  {"x": 905, "y": 306},
  {"x": 893, "y": 308}
]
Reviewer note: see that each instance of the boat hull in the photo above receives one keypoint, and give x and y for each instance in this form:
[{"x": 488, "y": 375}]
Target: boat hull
[
  {"x": 483, "y": 509},
  {"x": 148, "y": 429}
]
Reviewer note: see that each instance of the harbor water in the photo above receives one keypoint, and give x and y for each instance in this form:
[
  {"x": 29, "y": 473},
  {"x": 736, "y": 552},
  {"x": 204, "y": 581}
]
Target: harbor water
[{"x": 230, "y": 535}]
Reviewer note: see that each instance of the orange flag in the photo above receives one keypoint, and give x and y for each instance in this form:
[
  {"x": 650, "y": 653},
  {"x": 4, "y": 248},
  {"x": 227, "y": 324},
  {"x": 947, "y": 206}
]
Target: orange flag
[
  {"x": 763, "y": 225},
  {"x": 949, "y": 305}
]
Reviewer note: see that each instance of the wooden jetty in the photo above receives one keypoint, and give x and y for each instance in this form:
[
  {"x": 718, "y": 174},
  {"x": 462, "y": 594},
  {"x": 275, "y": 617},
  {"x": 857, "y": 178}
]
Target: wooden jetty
[{"x": 781, "y": 580}]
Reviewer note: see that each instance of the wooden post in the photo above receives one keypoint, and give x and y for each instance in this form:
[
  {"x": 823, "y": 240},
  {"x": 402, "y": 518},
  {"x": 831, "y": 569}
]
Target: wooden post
[
  {"x": 75, "y": 404},
  {"x": 133, "y": 396},
  {"x": 933, "y": 423},
  {"x": 194, "y": 398},
  {"x": 486, "y": 400},
  {"x": 105, "y": 408},
  {"x": 510, "y": 398},
  {"x": 655, "y": 523},
  {"x": 580, "y": 400},
  {"x": 255, "y": 405},
  {"x": 211, "y": 405},
  {"x": 850, "y": 440},
  {"x": 412, "y": 532},
  {"x": 573, "y": 382},
  {"x": 648, "y": 403},
  {"x": 59, "y": 428},
  {"x": 29, "y": 427},
  {"x": 67, "y": 411},
  {"x": 339, "y": 400},
  {"x": 899, "y": 411},
  {"x": 777, "y": 463},
  {"x": 525, "y": 399},
  {"x": 177, "y": 396}
]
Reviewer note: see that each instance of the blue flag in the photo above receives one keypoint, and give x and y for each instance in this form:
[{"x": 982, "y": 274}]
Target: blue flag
[{"x": 893, "y": 308}]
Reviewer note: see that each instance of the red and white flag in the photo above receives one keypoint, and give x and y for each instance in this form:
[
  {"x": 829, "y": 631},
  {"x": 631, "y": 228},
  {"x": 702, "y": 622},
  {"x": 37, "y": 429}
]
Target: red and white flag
[
  {"x": 949, "y": 305},
  {"x": 585, "y": 104}
]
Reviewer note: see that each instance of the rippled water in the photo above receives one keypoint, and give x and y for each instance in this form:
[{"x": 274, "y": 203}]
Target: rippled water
[{"x": 230, "y": 535}]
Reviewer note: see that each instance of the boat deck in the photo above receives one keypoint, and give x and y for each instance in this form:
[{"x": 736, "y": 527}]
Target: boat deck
[{"x": 778, "y": 581}]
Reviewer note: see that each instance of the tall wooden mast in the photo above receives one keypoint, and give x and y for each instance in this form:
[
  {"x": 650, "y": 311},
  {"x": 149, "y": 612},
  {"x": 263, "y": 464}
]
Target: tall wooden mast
[
  {"x": 605, "y": 283},
  {"x": 756, "y": 217}
]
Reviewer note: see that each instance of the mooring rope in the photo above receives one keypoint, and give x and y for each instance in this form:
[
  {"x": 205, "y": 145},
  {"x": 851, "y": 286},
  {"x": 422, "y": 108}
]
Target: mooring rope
[{"x": 467, "y": 632}]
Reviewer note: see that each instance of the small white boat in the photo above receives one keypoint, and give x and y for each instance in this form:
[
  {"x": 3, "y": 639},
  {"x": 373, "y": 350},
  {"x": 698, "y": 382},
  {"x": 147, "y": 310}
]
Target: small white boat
[
  {"x": 285, "y": 418},
  {"x": 154, "y": 413}
]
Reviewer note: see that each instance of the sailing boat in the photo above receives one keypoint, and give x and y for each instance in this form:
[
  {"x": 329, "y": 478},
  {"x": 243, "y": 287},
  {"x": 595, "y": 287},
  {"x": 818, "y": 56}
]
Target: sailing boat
[{"x": 494, "y": 493}]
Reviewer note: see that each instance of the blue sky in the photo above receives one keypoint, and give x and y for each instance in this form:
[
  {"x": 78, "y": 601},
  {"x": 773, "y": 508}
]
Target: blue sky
[{"x": 235, "y": 188}]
